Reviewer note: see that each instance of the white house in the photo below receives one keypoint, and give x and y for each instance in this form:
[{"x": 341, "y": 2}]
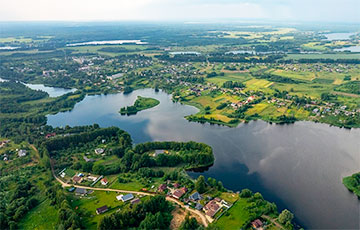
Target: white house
[{"x": 22, "y": 153}]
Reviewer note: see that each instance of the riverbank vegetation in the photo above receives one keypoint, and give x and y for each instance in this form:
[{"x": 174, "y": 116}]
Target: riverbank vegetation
[
  {"x": 141, "y": 103},
  {"x": 275, "y": 76},
  {"x": 353, "y": 183}
]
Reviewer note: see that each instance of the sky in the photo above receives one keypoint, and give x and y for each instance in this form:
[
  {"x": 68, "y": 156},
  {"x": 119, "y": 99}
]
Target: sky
[{"x": 180, "y": 10}]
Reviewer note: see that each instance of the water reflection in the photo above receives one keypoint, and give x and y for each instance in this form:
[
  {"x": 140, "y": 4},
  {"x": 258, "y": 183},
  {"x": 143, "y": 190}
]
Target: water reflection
[{"x": 298, "y": 166}]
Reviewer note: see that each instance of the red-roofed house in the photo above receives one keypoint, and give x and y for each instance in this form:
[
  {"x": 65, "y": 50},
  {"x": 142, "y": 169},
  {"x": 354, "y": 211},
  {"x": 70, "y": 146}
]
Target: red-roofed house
[
  {"x": 162, "y": 187},
  {"x": 211, "y": 208},
  {"x": 257, "y": 223},
  {"x": 104, "y": 181}
]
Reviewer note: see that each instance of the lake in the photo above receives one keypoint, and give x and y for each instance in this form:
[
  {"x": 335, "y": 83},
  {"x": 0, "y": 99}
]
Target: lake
[
  {"x": 52, "y": 91},
  {"x": 338, "y": 36},
  {"x": 184, "y": 52},
  {"x": 112, "y": 42},
  {"x": 350, "y": 48},
  {"x": 297, "y": 166},
  {"x": 8, "y": 48},
  {"x": 241, "y": 52}
]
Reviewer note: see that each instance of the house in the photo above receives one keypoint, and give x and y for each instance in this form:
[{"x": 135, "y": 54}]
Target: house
[
  {"x": 80, "y": 191},
  {"x": 104, "y": 181},
  {"x": 99, "y": 151},
  {"x": 135, "y": 201},
  {"x": 195, "y": 196},
  {"x": 257, "y": 224},
  {"x": 179, "y": 192},
  {"x": 158, "y": 152},
  {"x": 22, "y": 153},
  {"x": 50, "y": 135},
  {"x": 125, "y": 198},
  {"x": 92, "y": 178},
  {"x": 176, "y": 185},
  {"x": 80, "y": 175},
  {"x": 211, "y": 208},
  {"x": 162, "y": 187},
  {"x": 102, "y": 209},
  {"x": 198, "y": 206},
  {"x": 77, "y": 179}
]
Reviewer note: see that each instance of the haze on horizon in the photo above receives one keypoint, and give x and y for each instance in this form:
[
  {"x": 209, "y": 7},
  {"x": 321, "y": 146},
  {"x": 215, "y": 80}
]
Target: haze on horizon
[{"x": 181, "y": 10}]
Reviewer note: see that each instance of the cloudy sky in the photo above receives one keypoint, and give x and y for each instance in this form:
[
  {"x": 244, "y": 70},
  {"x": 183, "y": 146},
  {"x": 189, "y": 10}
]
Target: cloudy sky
[{"x": 184, "y": 10}]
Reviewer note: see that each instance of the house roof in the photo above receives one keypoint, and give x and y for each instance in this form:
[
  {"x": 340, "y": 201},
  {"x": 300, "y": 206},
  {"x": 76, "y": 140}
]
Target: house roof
[
  {"x": 257, "y": 223},
  {"x": 212, "y": 205},
  {"x": 127, "y": 197},
  {"x": 198, "y": 206},
  {"x": 77, "y": 178},
  {"x": 162, "y": 187},
  {"x": 178, "y": 193},
  {"x": 80, "y": 190},
  {"x": 195, "y": 196},
  {"x": 102, "y": 209},
  {"x": 210, "y": 213},
  {"x": 135, "y": 201}
]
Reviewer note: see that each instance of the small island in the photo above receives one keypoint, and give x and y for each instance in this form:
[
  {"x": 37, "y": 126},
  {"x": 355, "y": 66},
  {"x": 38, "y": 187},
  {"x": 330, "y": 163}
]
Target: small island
[
  {"x": 353, "y": 183},
  {"x": 141, "y": 103}
]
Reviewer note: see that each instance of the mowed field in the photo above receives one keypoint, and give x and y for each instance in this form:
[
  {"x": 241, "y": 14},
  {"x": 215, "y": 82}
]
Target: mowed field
[
  {"x": 239, "y": 214},
  {"x": 232, "y": 76},
  {"x": 86, "y": 206}
]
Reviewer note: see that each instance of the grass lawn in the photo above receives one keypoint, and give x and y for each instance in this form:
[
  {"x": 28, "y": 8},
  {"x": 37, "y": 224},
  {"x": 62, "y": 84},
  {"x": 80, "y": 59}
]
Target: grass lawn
[
  {"x": 238, "y": 215},
  {"x": 134, "y": 185},
  {"x": 86, "y": 206},
  {"x": 44, "y": 216}
]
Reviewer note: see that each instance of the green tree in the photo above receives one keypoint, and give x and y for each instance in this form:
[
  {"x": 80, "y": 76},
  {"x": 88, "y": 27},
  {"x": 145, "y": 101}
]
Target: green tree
[
  {"x": 189, "y": 223},
  {"x": 200, "y": 185},
  {"x": 286, "y": 217}
]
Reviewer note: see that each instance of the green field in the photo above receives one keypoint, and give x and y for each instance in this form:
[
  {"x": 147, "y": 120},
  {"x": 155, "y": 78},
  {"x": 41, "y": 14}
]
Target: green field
[
  {"x": 86, "y": 206},
  {"x": 237, "y": 216},
  {"x": 42, "y": 217},
  {"x": 323, "y": 56}
]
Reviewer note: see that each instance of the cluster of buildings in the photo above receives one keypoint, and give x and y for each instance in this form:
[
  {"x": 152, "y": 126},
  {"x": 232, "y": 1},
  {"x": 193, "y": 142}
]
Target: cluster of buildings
[
  {"x": 210, "y": 206},
  {"x": 20, "y": 152},
  {"x": 80, "y": 177}
]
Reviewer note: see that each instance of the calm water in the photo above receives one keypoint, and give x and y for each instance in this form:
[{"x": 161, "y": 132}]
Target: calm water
[
  {"x": 184, "y": 52},
  {"x": 8, "y": 48},
  {"x": 298, "y": 166},
  {"x": 52, "y": 91},
  {"x": 113, "y": 42},
  {"x": 351, "y": 49},
  {"x": 338, "y": 36}
]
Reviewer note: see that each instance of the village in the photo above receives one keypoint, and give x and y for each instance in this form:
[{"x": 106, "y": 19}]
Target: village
[{"x": 212, "y": 208}]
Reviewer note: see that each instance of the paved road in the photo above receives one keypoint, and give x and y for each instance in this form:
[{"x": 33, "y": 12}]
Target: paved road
[{"x": 168, "y": 198}]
